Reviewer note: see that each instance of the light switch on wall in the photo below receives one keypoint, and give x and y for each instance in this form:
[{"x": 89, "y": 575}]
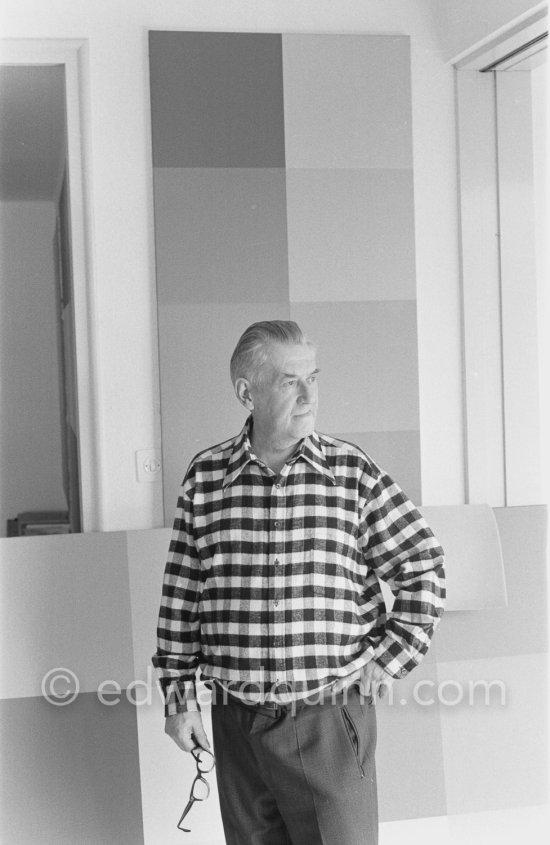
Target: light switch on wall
[{"x": 149, "y": 465}]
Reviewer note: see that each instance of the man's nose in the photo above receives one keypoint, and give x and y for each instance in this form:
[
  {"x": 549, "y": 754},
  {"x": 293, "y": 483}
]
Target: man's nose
[{"x": 306, "y": 393}]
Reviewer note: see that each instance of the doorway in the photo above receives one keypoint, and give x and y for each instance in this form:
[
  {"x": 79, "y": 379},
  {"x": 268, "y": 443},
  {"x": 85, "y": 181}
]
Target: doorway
[
  {"x": 39, "y": 487},
  {"x": 47, "y": 444}
]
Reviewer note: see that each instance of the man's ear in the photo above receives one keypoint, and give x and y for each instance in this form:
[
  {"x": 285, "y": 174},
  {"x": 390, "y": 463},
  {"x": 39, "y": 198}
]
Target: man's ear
[{"x": 244, "y": 395}]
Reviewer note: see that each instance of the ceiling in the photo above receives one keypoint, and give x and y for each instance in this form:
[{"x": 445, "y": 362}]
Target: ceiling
[{"x": 32, "y": 131}]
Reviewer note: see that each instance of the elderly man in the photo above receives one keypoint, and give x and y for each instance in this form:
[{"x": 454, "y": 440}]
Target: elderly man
[{"x": 272, "y": 588}]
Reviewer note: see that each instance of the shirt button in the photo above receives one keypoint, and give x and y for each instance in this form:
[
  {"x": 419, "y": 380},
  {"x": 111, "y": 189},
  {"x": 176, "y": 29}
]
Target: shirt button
[
  {"x": 277, "y": 524},
  {"x": 402, "y": 672},
  {"x": 276, "y": 602},
  {"x": 277, "y": 563}
]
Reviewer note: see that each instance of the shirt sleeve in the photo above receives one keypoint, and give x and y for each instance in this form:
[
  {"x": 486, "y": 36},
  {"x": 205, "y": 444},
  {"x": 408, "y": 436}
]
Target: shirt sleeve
[
  {"x": 402, "y": 550},
  {"x": 178, "y": 631}
]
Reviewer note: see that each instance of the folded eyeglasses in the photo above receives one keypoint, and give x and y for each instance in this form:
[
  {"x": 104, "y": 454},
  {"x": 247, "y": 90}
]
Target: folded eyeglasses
[{"x": 200, "y": 788}]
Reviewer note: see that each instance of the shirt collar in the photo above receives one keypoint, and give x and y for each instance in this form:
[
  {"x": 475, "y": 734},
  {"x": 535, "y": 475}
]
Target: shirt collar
[
  {"x": 311, "y": 450},
  {"x": 241, "y": 455}
]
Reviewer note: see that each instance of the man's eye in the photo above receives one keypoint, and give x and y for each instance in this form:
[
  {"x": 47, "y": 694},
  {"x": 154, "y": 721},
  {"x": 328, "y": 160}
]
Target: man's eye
[
  {"x": 312, "y": 379},
  {"x": 291, "y": 382}
]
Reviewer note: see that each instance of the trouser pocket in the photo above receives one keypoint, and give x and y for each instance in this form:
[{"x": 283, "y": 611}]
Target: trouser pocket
[{"x": 354, "y": 737}]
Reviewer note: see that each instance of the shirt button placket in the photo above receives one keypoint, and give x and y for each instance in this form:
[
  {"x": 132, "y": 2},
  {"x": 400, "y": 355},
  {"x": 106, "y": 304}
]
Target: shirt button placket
[{"x": 277, "y": 511}]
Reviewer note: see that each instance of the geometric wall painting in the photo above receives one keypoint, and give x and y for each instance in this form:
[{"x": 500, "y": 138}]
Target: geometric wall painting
[{"x": 284, "y": 190}]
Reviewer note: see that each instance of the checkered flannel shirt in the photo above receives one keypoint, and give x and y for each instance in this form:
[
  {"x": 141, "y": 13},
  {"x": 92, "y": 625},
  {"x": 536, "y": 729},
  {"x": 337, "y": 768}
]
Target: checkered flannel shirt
[{"x": 272, "y": 580}]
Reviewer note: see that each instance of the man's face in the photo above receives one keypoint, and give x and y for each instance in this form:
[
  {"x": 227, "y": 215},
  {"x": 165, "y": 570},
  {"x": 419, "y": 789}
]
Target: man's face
[{"x": 285, "y": 402}]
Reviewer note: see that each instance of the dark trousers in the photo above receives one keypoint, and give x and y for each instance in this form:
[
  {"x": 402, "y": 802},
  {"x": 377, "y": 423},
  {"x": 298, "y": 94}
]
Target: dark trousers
[{"x": 300, "y": 775}]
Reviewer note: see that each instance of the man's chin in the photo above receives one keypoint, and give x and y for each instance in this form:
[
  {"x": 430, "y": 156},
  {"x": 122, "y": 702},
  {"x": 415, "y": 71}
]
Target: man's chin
[{"x": 304, "y": 424}]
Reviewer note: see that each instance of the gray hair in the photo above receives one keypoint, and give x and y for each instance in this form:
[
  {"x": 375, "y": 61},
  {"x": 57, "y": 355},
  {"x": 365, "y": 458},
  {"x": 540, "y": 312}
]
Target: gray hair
[{"x": 252, "y": 349}]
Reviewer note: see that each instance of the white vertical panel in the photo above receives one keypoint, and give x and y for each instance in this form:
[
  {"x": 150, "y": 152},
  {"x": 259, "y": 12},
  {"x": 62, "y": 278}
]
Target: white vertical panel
[
  {"x": 519, "y": 289},
  {"x": 442, "y": 445},
  {"x": 539, "y": 90},
  {"x": 480, "y": 289}
]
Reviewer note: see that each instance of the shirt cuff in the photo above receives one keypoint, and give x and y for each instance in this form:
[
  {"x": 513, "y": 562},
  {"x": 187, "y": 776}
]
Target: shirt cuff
[
  {"x": 391, "y": 657},
  {"x": 180, "y": 697}
]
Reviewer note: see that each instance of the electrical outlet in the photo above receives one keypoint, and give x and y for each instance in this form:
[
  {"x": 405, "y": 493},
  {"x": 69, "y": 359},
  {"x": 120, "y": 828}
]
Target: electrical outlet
[{"x": 149, "y": 465}]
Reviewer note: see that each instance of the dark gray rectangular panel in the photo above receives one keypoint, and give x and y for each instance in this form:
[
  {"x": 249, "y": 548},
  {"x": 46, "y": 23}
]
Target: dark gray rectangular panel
[
  {"x": 70, "y": 774},
  {"x": 217, "y": 99}
]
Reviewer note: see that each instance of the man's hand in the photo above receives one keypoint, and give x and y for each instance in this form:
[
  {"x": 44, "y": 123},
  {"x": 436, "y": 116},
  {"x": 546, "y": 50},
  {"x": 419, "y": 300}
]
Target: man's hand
[
  {"x": 186, "y": 730},
  {"x": 373, "y": 680}
]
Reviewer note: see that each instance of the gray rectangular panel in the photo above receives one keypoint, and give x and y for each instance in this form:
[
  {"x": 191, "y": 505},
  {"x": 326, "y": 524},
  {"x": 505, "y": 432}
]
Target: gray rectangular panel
[
  {"x": 221, "y": 235},
  {"x": 217, "y": 99},
  {"x": 75, "y": 592},
  {"x": 350, "y": 234},
  {"x": 368, "y": 362},
  {"x": 347, "y": 100},
  {"x": 70, "y": 774}
]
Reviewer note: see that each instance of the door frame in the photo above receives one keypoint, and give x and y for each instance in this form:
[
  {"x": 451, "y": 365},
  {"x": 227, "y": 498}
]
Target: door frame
[
  {"x": 494, "y": 392},
  {"x": 72, "y": 55}
]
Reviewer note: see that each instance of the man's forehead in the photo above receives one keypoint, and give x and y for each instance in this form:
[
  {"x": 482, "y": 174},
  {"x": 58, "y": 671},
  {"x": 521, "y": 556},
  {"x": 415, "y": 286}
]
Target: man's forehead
[{"x": 285, "y": 356}]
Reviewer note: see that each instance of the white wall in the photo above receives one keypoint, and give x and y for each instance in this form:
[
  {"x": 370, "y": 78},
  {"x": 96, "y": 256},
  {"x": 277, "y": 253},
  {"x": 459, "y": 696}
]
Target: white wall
[
  {"x": 30, "y": 425},
  {"x": 461, "y": 23},
  {"x": 119, "y": 174},
  {"x": 541, "y": 147}
]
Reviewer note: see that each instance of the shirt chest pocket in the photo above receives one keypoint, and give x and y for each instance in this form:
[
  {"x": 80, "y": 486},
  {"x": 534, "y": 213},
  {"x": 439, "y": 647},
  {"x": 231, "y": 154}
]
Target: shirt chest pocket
[
  {"x": 227, "y": 539},
  {"x": 337, "y": 564}
]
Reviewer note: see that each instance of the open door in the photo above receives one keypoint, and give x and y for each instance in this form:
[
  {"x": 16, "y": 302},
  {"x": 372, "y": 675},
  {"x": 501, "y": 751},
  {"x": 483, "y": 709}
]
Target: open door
[{"x": 67, "y": 360}]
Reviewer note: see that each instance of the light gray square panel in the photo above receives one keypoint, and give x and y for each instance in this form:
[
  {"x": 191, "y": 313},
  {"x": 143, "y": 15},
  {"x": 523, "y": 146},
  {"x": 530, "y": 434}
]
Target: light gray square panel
[
  {"x": 368, "y": 361},
  {"x": 350, "y": 235},
  {"x": 495, "y": 732},
  {"x": 347, "y": 101},
  {"x": 221, "y": 235},
  {"x": 216, "y": 99},
  {"x": 65, "y": 602}
]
